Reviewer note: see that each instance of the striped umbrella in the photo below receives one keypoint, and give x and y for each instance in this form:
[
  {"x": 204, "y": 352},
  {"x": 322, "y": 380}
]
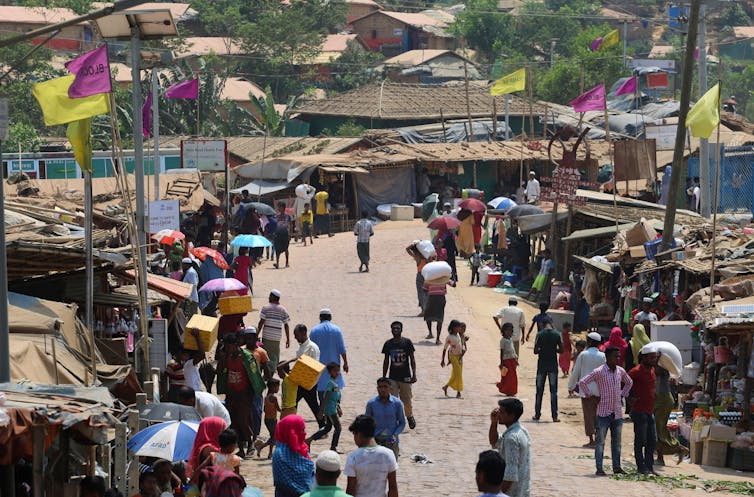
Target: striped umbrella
[{"x": 171, "y": 441}]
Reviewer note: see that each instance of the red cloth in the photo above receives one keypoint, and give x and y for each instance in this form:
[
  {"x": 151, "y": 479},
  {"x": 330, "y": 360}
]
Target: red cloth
[
  {"x": 476, "y": 228},
  {"x": 221, "y": 482},
  {"x": 564, "y": 359},
  {"x": 643, "y": 389},
  {"x": 238, "y": 379},
  {"x": 242, "y": 271},
  {"x": 207, "y": 435},
  {"x": 616, "y": 340},
  {"x": 508, "y": 384},
  {"x": 291, "y": 430}
]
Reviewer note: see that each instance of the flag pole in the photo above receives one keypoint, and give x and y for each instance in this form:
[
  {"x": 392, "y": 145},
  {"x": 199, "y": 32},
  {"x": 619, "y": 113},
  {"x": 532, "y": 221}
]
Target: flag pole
[
  {"x": 612, "y": 155},
  {"x": 718, "y": 170},
  {"x": 157, "y": 168}
]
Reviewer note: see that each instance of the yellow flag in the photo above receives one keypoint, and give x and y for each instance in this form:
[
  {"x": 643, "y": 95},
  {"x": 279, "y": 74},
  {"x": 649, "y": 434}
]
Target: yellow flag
[
  {"x": 59, "y": 108},
  {"x": 79, "y": 133},
  {"x": 610, "y": 39},
  {"x": 704, "y": 116},
  {"x": 515, "y": 81}
]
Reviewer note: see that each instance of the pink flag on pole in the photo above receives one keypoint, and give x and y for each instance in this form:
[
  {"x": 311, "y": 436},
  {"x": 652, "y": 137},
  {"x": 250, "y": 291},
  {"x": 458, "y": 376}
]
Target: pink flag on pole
[
  {"x": 595, "y": 45},
  {"x": 146, "y": 116},
  {"x": 627, "y": 87},
  {"x": 594, "y": 99},
  {"x": 187, "y": 89},
  {"x": 92, "y": 72}
]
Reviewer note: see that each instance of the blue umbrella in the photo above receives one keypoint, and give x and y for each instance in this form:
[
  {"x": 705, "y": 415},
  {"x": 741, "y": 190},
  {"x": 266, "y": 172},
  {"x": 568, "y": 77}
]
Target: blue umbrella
[
  {"x": 251, "y": 241},
  {"x": 171, "y": 441},
  {"x": 501, "y": 203}
]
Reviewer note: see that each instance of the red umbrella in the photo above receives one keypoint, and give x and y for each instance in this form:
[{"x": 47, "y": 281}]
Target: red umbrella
[
  {"x": 472, "y": 204},
  {"x": 444, "y": 223},
  {"x": 202, "y": 253},
  {"x": 167, "y": 237}
]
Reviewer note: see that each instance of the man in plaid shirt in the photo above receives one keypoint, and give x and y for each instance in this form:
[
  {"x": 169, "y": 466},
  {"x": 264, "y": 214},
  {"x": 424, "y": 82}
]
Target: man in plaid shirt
[{"x": 613, "y": 384}]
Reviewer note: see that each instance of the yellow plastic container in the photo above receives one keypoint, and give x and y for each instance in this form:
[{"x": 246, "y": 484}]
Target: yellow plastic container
[
  {"x": 234, "y": 305},
  {"x": 306, "y": 372},
  {"x": 207, "y": 326}
]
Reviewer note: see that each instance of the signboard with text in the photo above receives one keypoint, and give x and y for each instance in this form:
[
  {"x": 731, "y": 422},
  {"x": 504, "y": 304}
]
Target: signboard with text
[
  {"x": 164, "y": 215},
  {"x": 205, "y": 155},
  {"x": 663, "y": 134},
  {"x": 564, "y": 184}
]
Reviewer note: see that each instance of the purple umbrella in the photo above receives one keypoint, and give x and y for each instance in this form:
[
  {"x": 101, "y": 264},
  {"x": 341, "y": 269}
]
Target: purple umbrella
[{"x": 222, "y": 285}]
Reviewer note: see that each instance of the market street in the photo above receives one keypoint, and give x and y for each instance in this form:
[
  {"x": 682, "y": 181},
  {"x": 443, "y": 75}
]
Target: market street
[{"x": 450, "y": 432}]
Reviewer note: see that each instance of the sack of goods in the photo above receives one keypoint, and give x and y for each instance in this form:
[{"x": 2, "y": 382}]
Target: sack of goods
[
  {"x": 670, "y": 356},
  {"x": 426, "y": 249},
  {"x": 437, "y": 272},
  {"x": 303, "y": 191}
]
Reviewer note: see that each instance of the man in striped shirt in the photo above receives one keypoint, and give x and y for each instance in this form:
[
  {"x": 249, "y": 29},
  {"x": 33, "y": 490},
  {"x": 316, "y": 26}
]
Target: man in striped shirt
[
  {"x": 613, "y": 384},
  {"x": 272, "y": 319},
  {"x": 363, "y": 231}
]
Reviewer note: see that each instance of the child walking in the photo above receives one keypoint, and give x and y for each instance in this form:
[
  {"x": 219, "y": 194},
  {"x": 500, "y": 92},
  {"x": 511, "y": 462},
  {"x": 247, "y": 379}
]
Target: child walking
[
  {"x": 289, "y": 390},
  {"x": 475, "y": 261},
  {"x": 454, "y": 348},
  {"x": 330, "y": 409},
  {"x": 226, "y": 458},
  {"x": 307, "y": 218},
  {"x": 271, "y": 410},
  {"x": 508, "y": 383}
]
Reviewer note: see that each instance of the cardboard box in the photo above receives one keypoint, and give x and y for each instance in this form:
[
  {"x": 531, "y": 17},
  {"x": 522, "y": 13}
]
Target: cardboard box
[
  {"x": 719, "y": 433},
  {"x": 401, "y": 213},
  {"x": 637, "y": 252},
  {"x": 696, "y": 451},
  {"x": 240, "y": 304},
  {"x": 714, "y": 453},
  {"x": 678, "y": 256},
  {"x": 641, "y": 233},
  {"x": 306, "y": 372},
  {"x": 207, "y": 326}
]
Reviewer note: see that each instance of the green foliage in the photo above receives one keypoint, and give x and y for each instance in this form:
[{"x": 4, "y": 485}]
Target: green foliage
[
  {"x": 739, "y": 81},
  {"x": 734, "y": 15},
  {"x": 268, "y": 118},
  {"x": 492, "y": 35},
  {"x": 350, "y": 128},
  {"x": 354, "y": 68},
  {"x": 22, "y": 136}
]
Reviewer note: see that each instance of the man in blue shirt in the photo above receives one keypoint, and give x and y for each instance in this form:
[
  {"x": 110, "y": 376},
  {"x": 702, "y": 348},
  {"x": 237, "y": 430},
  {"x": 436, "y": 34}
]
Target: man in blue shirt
[
  {"x": 332, "y": 348},
  {"x": 387, "y": 411}
]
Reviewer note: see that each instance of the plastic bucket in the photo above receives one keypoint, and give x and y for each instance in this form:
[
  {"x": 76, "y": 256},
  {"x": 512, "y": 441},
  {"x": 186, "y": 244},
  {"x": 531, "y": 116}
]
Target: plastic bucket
[
  {"x": 493, "y": 279},
  {"x": 690, "y": 374}
]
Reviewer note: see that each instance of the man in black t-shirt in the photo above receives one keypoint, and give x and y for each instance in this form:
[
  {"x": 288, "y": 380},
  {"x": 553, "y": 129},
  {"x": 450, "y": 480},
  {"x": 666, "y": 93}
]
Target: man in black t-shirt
[
  {"x": 399, "y": 360},
  {"x": 547, "y": 346}
]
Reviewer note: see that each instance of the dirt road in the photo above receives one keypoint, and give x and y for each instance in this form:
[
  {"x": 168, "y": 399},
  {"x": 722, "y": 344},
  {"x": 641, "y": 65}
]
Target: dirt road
[{"x": 450, "y": 432}]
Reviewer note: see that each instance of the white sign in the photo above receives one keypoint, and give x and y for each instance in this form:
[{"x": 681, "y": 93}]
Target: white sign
[
  {"x": 164, "y": 215},
  {"x": 3, "y": 118},
  {"x": 664, "y": 135},
  {"x": 205, "y": 155},
  {"x": 664, "y": 64}
]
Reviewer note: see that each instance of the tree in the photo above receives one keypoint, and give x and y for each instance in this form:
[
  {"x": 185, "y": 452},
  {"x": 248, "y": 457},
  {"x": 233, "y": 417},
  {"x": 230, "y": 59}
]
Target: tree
[
  {"x": 268, "y": 119},
  {"x": 734, "y": 15},
  {"x": 492, "y": 35},
  {"x": 22, "y": 136},
  {"x": 354, "y": 68}
]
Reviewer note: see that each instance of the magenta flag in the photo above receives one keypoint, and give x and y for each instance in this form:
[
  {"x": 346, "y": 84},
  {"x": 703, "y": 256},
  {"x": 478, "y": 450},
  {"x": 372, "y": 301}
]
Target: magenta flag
[
  {"x": 594, "y": 99},
  {"x": 595, "y": 45},
  {"x": 146, "y": 116},
  {"x": 92, "y": 72},
  {"x": 187, "y": 89},
  {"x": 627, "y": 87}
]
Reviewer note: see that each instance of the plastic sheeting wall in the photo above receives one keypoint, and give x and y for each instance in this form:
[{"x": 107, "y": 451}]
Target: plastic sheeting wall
[{"x": 385, "y": 186}]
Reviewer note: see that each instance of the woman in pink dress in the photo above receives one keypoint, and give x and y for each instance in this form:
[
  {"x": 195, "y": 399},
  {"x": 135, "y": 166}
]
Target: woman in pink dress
[
  {"x": 564, "y": 359},
  {"x": 242, "y": 267}
]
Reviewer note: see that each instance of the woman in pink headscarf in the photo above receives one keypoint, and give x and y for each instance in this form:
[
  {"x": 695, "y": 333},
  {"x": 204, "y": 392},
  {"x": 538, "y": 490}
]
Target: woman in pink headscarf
[
  {"x": 292, "y": 468},
  {"x": 616, "y": 340},
  {"x": 206, "y": 441}
]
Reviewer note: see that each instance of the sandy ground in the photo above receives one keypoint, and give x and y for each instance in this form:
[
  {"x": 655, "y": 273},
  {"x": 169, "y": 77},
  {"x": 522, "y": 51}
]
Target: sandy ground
[{"x": 450, "y": 432}]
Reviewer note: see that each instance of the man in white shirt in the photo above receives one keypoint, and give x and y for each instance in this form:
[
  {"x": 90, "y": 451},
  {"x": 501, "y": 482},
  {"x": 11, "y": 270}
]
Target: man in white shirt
[
  {"x": 532, "y": 188},
  {"x": 191, "y": 360},
  {"x": 371, "y": 469},
  {"x": 205, "y": 403},
  {"x": 191, "y": 304},
  {"x": 308, "y": 348},
  {"x": 645, "y": 316},
  {"x": 586, "y": 362},
  {"x": 515, "y": 316}
]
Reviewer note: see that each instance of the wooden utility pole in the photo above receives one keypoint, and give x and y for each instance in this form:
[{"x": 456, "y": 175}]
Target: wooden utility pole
[{"x": 680, "y": 137}]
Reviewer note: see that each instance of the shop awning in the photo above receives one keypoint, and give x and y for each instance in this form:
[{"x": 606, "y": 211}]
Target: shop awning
[
  {"x": 599, "y": 266},
  {"x": 176, "y": 290},
  {"x": 596, "y": 232}
]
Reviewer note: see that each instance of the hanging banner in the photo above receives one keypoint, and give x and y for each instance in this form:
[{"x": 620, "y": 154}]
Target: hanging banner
[{"x": 657, "y": 80}]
